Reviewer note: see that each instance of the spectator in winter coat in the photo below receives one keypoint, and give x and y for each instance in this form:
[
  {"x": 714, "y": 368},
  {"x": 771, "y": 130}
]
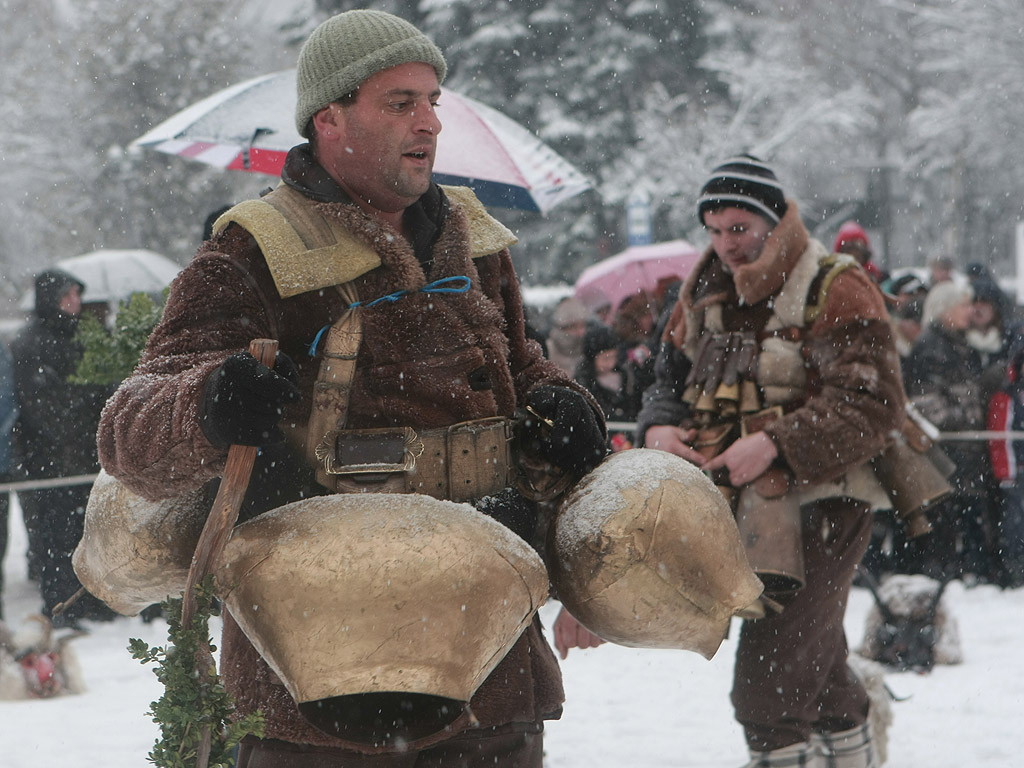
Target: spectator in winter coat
[
  {"x": 634, "y": 322},
  {"x": 852, "y": 239},
  {"x": 906, "y": 297},
  {"x": 607, "y": 375},
  {"x": 1006, "y": 414},
  {"x": 942, "y": 376},
  {"x": 565, "y": 342},
  {"x": 55, "y": 437},
  {"x": 940, "y": 270},
  {"x": 988, "y": 333}
]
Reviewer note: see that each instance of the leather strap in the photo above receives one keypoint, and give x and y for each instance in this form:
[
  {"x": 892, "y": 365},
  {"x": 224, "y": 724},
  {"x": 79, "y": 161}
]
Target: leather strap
[{"x": 463, "y": 462}]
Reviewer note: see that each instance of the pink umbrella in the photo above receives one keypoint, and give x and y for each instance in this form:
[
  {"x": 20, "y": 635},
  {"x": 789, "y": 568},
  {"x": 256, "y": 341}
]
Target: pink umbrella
[
  {"x": 250, "y": 127},
  {"x": 638, "y": 268}
]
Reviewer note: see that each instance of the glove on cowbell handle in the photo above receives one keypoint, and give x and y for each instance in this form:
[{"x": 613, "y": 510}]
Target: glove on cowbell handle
[{"x": 226, "y": 506}]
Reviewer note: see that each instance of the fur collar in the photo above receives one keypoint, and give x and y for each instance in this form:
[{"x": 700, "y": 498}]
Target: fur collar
[
  {"x": 762, "y": 278},
  {"x": 710, "y": 283}
]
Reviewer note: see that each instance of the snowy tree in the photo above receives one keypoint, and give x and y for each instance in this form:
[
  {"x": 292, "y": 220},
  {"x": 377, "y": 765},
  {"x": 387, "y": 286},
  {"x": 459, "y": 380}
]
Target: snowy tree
[
  {"x": 964, "y": 137},
  {"x": 578, "y": 76},
  {"x": 814, "y": 88},
  {"x": 900, "y": 113},
  {"x": 38, "y": 91},
  {"x": 897, "y": 113},
  {"x": 95, "y": 75}
]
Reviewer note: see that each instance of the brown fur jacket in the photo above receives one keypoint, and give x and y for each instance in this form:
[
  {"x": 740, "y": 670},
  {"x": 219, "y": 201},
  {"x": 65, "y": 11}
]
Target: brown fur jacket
[
  {"x": 855, "y": 398},
  {"x": 413, "y": 370}
]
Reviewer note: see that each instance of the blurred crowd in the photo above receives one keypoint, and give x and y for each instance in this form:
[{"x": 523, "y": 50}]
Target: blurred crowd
[
  {"x": 961, "y": 342},
  {"x": 611, "y": 350},
  {"x": 960, "y": 338}
]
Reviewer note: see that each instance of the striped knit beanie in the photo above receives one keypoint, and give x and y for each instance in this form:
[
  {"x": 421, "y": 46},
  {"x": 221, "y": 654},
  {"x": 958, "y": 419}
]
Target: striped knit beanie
[
  {"x": 743, "y": 182},
  {"x": 349, "y": 48}
]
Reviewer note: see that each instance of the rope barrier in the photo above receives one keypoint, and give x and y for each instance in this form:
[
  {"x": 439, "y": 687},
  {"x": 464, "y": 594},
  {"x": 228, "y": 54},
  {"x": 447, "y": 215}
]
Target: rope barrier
[
  {"x": 981, "y": 434},
  {"x": 966, "y": 435},
  {"x": 613, "y": 426},
  {"x": 48, "y": 482}
]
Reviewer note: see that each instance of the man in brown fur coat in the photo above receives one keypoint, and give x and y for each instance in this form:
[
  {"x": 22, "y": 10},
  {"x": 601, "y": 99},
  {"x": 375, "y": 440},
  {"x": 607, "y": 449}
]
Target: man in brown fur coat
[
  {"x": 778, "y": 375},
  {"x": 357, "y": 210}
]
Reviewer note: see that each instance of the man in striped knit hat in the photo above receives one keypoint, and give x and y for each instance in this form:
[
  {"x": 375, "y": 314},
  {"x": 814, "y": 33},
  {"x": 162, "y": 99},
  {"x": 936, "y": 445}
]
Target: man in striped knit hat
[{"x": 778, "y": 375}]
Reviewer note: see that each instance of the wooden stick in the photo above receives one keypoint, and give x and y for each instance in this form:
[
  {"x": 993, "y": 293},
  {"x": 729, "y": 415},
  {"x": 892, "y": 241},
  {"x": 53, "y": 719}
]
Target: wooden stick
[
  {"x": 216, "y": 532},
  {"x": 224, "y": 514}
]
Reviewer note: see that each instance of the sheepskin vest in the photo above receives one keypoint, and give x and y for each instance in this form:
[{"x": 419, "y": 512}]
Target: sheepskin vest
[
  {"x": 782, "y": 373},
  {"x": 307, "y": 251}
]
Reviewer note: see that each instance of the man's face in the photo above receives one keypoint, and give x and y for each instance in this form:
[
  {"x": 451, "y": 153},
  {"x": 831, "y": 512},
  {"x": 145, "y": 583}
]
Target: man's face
[
  {"x": 71, "y": 301},
  {"x": 575, "y": 329},
  {"x": 381, "y": 148},
  {"x": 604, "y": 362},
  {"x": 857, "y": 249},
  {"x": 737, "y": 235},
  {"x": 983, "y": 314}
]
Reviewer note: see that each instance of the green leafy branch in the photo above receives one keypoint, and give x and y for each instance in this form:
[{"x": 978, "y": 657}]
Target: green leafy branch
[
  {"x": 110, "y": 356},
  {"x": 194, "y": 699}
]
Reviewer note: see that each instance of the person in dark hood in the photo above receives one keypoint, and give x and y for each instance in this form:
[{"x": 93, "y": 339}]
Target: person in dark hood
[
  {"x": 55, "y": 436},
  {"x": 612, "y": 379},
  {"x": 990, "y": 313},
  {"x": 943, "y": 379}
]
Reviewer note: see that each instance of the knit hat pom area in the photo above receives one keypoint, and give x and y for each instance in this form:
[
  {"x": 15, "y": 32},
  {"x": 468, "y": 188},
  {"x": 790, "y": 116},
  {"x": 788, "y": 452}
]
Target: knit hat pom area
[
  {"x": 347, "y": 49},
  {"x": 745, "y": 182}
]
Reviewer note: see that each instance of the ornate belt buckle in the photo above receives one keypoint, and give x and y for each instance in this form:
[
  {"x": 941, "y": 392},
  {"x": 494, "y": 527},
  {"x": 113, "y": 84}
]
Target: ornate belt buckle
[{"x": 355, "y": 451}]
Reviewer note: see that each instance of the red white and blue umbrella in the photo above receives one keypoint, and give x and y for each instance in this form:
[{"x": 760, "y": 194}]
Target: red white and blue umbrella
[{"x": 250, "y": 127}]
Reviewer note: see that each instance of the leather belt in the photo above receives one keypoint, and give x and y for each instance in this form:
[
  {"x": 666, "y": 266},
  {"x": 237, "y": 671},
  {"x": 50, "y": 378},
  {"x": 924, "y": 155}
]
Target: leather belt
[{"x": 463, "y": 462}]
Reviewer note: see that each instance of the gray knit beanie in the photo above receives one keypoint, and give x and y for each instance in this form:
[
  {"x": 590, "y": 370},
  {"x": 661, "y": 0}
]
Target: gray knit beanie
[{"x": 347, "y": 49}]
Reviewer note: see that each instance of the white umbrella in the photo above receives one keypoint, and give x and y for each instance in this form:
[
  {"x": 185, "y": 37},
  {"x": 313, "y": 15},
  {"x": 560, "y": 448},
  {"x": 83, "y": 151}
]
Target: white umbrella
[
  {"x": 250, "y": 127},
  {"x": 112, "y": 274}
]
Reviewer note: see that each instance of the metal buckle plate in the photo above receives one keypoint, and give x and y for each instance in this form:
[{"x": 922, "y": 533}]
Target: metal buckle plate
[{"x": 353, "y": 451}]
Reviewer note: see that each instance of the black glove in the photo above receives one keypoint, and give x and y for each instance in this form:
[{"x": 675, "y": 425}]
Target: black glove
[
  {"x": 574, "y": 441},
  {"x": 243, "y": 400},
  {"x": 510, "y": 508}
]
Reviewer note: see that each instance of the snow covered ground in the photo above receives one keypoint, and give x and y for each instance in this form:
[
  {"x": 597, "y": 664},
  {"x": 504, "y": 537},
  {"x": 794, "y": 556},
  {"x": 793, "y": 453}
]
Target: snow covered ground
[{"x": 625, "y": 707}]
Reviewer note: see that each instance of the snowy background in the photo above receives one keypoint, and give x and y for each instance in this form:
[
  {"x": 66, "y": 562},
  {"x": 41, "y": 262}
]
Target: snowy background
[
  {"x": 903, "y": 115},
  {"x": 625, "y": 707}
]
